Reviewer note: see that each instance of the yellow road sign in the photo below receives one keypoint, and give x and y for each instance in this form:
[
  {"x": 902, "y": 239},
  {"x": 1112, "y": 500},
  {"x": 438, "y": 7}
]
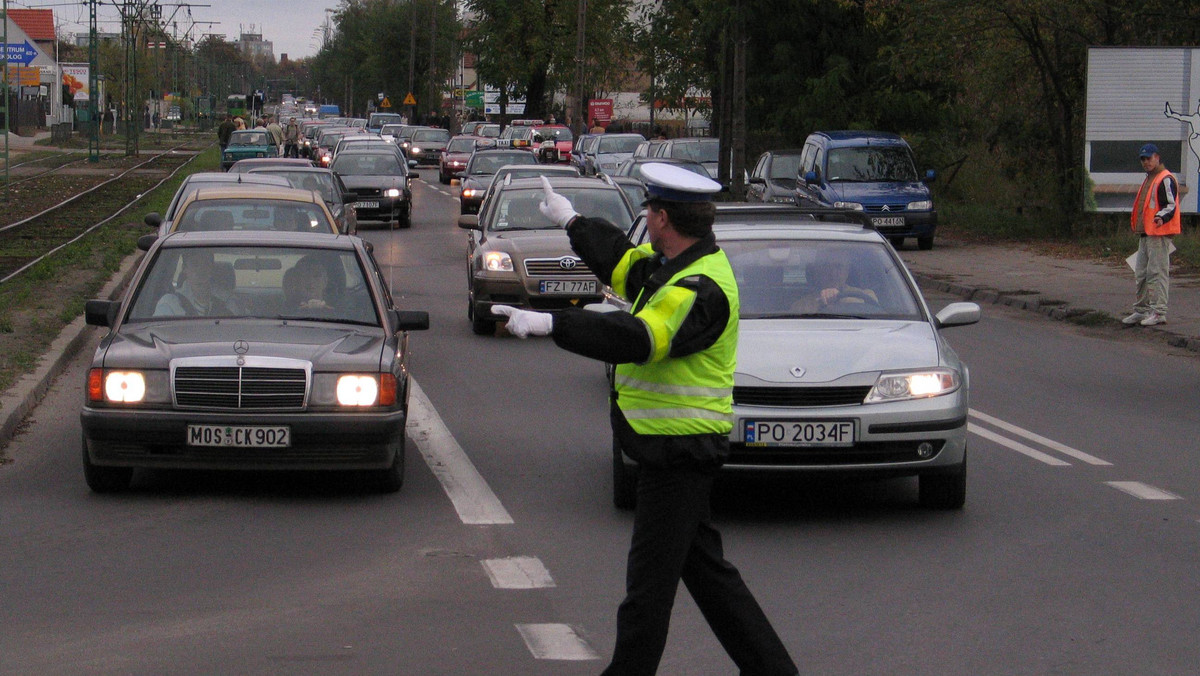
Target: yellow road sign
[
  {"x": 409, "y": 100},
  {"x": 387, "y": 103}
]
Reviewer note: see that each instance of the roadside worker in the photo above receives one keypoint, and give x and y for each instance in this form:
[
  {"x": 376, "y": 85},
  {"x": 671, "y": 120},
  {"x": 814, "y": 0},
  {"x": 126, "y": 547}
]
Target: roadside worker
[
  {"x": 671, "y": 410},
  {"x": 1156, "y": 220},
  {"x": 224, "y": 130}
]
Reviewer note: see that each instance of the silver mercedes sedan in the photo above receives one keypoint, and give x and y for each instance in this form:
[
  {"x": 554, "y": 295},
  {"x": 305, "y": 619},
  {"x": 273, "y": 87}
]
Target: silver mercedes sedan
[
  {"x": 249, "y": 351},
  {"x": 841, "y": 367}
]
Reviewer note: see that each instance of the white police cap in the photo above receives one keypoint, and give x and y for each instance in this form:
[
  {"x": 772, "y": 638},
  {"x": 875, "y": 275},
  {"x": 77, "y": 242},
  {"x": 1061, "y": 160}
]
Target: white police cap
[{"x": 675, "y": 184}]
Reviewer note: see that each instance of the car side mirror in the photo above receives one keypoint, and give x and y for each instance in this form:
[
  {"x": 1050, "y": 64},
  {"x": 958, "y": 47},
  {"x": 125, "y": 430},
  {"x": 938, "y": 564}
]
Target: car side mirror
[
  {"x": 413, "y": 174},
  {"x": 412, "y": 164},
  {"x": 811, "y": 178},
  {"x": 153, "y": 219},
  {"x": 930, "y": 175},
  {"x": 757, "y": 180},
  {"x": 958, "y": 314},
  {"x": 349, "y": 198},
  {"x": 100, "y": 312},
  {"x": 146, "y": 241},
  {"x": 409, "y": 320},
  {"x": 469, "y": 222}
]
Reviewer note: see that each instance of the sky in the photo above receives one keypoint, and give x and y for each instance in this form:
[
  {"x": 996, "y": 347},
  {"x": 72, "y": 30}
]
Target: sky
[{"x": 294, "y": 26}]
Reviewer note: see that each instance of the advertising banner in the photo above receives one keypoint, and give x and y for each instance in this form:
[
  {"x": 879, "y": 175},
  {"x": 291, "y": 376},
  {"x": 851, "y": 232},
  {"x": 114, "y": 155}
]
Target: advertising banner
[{"x": 75, "y": 76}]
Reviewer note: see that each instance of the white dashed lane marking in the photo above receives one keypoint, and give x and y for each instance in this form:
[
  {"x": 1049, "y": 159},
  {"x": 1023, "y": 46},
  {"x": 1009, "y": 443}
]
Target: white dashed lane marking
[
  {"x": 556, "y": 642},
  {"x": 518, "y": 572},
  {"x": 1143, "y": 491}
]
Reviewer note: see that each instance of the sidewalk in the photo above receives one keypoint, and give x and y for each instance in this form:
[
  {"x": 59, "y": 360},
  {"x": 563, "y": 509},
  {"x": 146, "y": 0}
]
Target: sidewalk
[
  {"x": 24, "y": 142},
  {"x": 1019, "y": 276}
]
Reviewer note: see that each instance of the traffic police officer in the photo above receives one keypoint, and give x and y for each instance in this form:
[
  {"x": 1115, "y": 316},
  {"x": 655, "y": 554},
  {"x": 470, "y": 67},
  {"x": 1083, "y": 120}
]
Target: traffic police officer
[{"x": 671, "y": 410}]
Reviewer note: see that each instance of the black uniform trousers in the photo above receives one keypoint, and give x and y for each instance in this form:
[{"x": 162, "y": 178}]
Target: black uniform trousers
[{"x": 673, "y": 540}]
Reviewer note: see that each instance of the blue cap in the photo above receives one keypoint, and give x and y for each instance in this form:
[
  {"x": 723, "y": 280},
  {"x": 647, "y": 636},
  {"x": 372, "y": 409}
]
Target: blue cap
[
  {"x": 675, "y": 184},
  {"x": 1148, "y": 150}
]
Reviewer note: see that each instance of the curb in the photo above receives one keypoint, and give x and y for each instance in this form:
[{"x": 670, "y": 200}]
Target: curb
[
  {"x": 1055, "y": 310},
  {"x": 25, "y": 394}
]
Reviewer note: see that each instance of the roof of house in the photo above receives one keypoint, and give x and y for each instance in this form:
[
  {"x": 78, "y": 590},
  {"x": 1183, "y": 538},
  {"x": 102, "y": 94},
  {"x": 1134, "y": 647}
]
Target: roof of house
[{"x": 37, "y": 23}]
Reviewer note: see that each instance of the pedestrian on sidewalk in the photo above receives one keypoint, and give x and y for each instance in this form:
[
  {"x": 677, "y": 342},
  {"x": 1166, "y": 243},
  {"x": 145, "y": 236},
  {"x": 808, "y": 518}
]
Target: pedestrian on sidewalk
[
  {"x": 225, "y": 131},
  {"x": 670, "y": 409},
  {"x": 1156, "y": 220}
]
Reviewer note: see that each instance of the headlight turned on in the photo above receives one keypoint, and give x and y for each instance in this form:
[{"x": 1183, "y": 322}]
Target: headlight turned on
[
  {"x": 116, "y": 387},
  {"x": 497, "y": 261},
  {"x": 913, "y": 385},
  {"x": 470, "y": 192},
  {"x": 392, "y": 192},
  {"x": 366, "y": 390}
]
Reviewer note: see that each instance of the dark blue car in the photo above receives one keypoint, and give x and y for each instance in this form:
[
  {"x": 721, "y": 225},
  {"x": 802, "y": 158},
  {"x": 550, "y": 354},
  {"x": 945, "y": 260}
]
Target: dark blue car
[{"x": 869, "y": 171}]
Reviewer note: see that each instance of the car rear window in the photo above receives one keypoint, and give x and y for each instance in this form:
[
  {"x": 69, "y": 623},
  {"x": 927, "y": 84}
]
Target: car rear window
[
  {"x": 428, "y": 135},
  {"x": 252, "y": 214}
]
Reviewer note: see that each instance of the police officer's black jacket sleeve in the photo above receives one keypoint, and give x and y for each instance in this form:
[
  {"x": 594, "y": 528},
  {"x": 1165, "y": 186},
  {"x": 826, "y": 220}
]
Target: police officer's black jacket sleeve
[
  {"x": 599, "y": 243},
  {"x": 613, "y": 337}
]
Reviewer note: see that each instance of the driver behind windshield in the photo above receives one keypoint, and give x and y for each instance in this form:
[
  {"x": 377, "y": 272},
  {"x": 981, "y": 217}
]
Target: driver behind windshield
[{"x": 828, "y": 285}]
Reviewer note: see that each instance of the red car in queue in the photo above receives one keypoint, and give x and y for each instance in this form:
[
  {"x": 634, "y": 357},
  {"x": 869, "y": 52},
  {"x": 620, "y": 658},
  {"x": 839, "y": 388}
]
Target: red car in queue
[
  {"x": 553, "y": 143},
  {"x": 458, "y": 151}
]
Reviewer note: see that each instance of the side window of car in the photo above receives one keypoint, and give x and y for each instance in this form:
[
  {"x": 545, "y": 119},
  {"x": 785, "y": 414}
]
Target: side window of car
[
  {"x": 818, "y": 163},
  {"x": 760, "y": 168}
]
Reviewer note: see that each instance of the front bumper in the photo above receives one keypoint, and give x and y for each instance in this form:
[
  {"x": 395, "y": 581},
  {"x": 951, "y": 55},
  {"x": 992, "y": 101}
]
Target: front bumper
[
  {"x": 916, "y": 224},
  {"x": 388, "y": 208},
  {"x": 319, "y": 440},
  {"x": 522, "y": 293}
]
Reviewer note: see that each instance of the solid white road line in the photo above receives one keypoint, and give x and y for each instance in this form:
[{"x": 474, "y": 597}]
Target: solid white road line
[
  {"x": 470, "y": 494},
  {"x": 1143, "y": 491},
  {"x": 1048, "y": 443},
  {"x": 556, "y": 642},
  {"x": 1016, "y": 446},
  {"x": 518, "y": 572}
]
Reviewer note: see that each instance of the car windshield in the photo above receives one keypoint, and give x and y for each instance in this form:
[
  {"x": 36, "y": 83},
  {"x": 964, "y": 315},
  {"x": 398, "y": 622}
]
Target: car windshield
[
  {"x": 263, "y": 282},
  {"x": 798, "y": 278},
  {"x": 785, "y": 166},
  {"x": 368, "y": 165},
  {"x": 878, "y": 163},
  {"x": 330, "y": 140},
  {"x": 518, "y": 209},
  {"x": 489, "y": 163},
  {"x": 488, "y": 131},
  {"x": 556, "y": 133},
  {"x": 624, "y": 144},
  {"x": 257, "y": 214},
  {"x": 320, "y": 182},
  {"x": 431, "y": 135},
  {"x": 461, "y": 145},
  {"x": 700, "y": 151},
  {"x": 249, "y": 138},
  {"x": 635, "y": 170}
]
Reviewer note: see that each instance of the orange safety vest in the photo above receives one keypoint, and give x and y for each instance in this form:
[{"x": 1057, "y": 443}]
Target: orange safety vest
[{"x": 1150, "y": 206}]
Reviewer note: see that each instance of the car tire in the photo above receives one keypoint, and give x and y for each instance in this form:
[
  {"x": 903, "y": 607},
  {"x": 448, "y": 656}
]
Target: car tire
[
  {"x": 625, "y": 480},
  {"x": 405, "y": 220},
  {"x": 104, "y": 479},
  {"x": 444, "y": 179},
  {"x": 925, "y": 243},
  {"x": 944, "y": 490},
  {"x": 482, "y": 327},
  {"x": 391, "y": 479}
]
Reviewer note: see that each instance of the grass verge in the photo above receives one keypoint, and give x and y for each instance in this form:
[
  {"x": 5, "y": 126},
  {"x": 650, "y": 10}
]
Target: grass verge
[{"x": 36, "y": 305}]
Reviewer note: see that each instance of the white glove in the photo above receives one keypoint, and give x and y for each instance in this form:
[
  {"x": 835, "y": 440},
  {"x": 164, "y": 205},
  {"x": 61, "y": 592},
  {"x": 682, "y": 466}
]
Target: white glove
[
  {"x": 556, "y": 207},
  {"x": 525, "y": 323}
]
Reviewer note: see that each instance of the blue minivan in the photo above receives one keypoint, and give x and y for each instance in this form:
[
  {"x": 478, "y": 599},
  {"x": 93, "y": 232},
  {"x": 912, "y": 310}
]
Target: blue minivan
[{"x": 869, "y": 171}]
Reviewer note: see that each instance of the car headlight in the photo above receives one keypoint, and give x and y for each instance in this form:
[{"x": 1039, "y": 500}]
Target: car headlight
[
  {"x": 470, "y": 193},
  {"x": 392, "y": 192},
  {"x": 923, "y": 205},
  {"x": 366, "y": 390},
  {"x": 416, "y": 150},
  {"x": 853, "y": 206},
  {"x": 497, "y": 261},
  {"x": 913, "y": 385},
  {"x": 118, "y": 387}
]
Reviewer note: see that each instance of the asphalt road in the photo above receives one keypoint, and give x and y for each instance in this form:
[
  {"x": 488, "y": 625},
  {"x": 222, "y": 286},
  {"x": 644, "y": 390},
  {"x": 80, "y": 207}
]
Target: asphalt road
[{"x": 1076, "y": 552}]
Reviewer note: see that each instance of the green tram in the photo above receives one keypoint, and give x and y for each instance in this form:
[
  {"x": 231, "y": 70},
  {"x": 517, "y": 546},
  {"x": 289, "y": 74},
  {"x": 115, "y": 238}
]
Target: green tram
[{"x": 236, "y": 104}]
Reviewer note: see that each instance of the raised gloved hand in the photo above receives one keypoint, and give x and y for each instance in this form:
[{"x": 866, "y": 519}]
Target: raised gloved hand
[
  {"x": 525, "y": 323},
  {"x": 556, "y": 207}
]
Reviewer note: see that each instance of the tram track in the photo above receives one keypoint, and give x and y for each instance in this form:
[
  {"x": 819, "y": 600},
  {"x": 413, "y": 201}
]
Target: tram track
[{"x": 89, "y": 206}]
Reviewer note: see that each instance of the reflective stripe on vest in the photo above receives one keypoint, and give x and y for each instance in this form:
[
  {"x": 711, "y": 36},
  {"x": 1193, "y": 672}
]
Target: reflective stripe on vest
[
  {"x": 686, "y": 395},
  {"x": 1150, "y": 207}
]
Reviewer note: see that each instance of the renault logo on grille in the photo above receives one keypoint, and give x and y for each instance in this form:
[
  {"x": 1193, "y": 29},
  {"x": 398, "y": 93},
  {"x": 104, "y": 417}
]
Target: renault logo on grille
[
  {"x": 241, "y": 347},
  {"x": 798, "y": 371},
  {"x": 567, "y": 263}
]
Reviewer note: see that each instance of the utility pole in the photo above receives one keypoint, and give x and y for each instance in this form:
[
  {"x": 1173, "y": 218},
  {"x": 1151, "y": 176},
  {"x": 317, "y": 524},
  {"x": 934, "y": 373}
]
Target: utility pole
[
  {"x": 412, "y": 56},
  {"x": 435, "y": 98},
  {"x": 580, "y": 30},
  {"x": 7, "y": 99},
  {"x": 94, "y": 84}
]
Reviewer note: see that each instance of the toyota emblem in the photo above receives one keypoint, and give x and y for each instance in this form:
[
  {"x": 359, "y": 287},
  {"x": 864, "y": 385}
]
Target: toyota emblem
[
  {"x": 798, "y": 371},
  {"x": 567, "y": 263},
  {"x": 241, "y": 347}
]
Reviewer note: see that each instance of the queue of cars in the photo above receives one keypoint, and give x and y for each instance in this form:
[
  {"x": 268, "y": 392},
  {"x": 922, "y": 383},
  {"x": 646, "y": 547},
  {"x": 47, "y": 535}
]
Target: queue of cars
[{"x": 223, "y": 352}]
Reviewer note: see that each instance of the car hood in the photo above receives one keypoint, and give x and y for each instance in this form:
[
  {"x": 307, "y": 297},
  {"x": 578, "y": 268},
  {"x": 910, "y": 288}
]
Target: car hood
[
  {"x": 353, "y": 182},
  {"x": 327, "y": 346},
  {"x": 828, "y": 349},
  {"x": 881, "y": 192},
  {"x": 533, "y": 243}
]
